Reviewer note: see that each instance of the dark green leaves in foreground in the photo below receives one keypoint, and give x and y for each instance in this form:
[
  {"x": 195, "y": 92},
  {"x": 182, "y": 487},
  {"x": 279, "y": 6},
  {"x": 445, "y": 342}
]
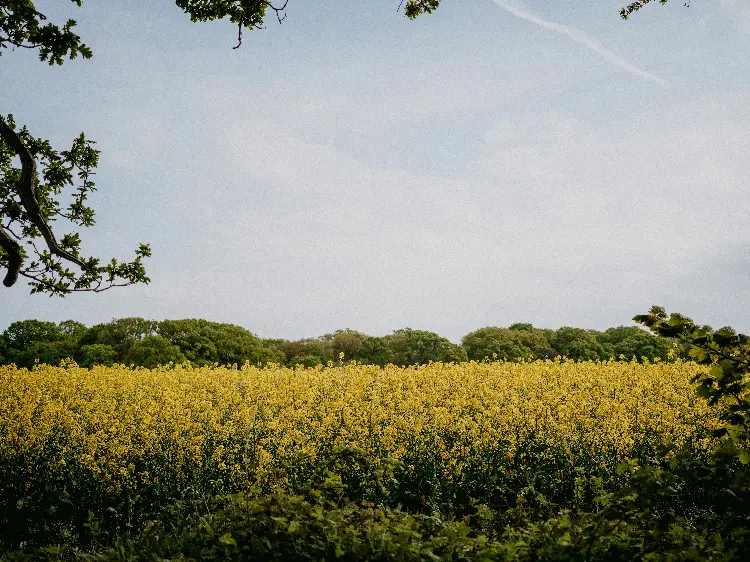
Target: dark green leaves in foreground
[{"x": 727, "y": 353}]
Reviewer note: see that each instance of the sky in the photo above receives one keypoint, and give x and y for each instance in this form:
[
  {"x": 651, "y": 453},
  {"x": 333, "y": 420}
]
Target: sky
[{"x": 493, "y": 162}]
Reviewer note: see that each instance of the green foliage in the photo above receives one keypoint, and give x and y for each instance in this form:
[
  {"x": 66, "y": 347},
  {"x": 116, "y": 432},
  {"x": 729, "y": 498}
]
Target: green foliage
[
  {"x": 72, "y": 330},
  {"x": 49, "y": 353},
  {"x": 310, "y": 351},
  {"x": 374, "y": 351},
  {"x": 21, "y": 25},
  {"x": 306, "y": 360},
  {"x": 520, "y": 341},
  {"x": 348, "y": 342},
  {"x": 418, "y": 347},
  {"x": 728, "y": 380},
  {"x": 577, "y": 343},
  {"x": 30, "y": 202},
  {"x": 631, "y": 341},
  {"x": 152, "y": 351},
  {"x": 415, "y": 8},
  {"x": 23, "y": 334},
  {"x": 495, "y": 343},
  {"x": 96, "y": 354},
  {"x": 205, "y": 343},
  {"x": 30, "y": 341},
  {"x": 119, "y": 334}
]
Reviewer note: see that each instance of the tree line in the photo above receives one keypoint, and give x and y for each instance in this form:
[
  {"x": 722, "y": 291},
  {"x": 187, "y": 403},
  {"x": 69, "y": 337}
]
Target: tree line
[{"x": 148, "y": 343}]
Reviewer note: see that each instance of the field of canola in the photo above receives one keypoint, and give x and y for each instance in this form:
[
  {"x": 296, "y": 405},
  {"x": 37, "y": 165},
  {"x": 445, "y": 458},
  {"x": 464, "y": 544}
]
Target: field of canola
[{"x": 136, "y": 440}]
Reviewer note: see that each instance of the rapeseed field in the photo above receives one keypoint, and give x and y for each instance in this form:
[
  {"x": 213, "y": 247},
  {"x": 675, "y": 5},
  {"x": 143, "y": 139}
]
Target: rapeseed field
[{"x": 131, "y": 441}]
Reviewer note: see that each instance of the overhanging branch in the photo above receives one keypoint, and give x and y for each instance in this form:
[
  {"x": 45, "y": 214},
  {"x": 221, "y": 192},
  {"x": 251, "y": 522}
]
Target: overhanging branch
[
  {"x": 26, "y": 188},
  {"x": 15, "y": 259}
]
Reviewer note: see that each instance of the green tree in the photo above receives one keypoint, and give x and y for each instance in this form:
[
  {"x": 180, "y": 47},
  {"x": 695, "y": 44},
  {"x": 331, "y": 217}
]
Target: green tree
[
  {"x": 319, "y": 348},
  {"x": 577, "y": 343},
  {"x": 519, "y": 341},
  {"x": 21, "y": 335},
  {"x": 193, "y": 337},
  {"x": 205, "y": 343},
  {"x": 306, "y": 360},
  {"x": 348, "y": 342},
  {"x": 374, "y": 351},
  {"x": 495, "y": 343},
  {"x": 96, "y": 354},
  {"x": 48, "y": 353},
  {"x": 152, "y": 351},
  {"x": 31, "y": 199},
  {"x": 418, "y": 347},
  {"x": 29, "y": 341},
  {"x": 631, "y": 341},
  {"x": 120, "y": 334},
  {"x": 522, "y": 327},
  {"x": 72, "y": 330}
]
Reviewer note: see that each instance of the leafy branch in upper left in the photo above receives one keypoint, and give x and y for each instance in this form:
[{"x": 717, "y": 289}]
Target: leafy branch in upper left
[{"x": 30, "y": 202}]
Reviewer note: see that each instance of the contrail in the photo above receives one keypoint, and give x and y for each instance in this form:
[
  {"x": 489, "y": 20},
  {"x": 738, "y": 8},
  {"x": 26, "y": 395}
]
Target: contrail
[{"x": 580, "y": 37}]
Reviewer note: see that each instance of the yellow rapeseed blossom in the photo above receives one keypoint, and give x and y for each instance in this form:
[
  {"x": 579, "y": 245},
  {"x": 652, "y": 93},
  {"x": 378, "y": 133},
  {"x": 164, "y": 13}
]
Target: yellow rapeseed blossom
[{"x": 138, "y": 427}]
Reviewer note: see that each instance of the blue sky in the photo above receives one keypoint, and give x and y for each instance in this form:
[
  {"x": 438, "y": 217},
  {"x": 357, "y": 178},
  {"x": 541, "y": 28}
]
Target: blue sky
[{"x": 491, "y": 163}]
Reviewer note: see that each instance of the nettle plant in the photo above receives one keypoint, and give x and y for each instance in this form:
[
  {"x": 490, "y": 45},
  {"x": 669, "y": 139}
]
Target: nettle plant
[{"x": 727, "y": 354}]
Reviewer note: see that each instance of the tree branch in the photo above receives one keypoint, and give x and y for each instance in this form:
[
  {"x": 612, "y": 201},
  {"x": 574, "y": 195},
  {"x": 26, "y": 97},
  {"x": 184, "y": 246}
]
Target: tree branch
[
  {"x": 26, "y": 188},
  {"x": 15, "y": 259}
]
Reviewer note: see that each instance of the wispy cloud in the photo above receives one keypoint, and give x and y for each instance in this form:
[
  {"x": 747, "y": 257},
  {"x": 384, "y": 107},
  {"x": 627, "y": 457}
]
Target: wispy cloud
[{"x": 580, "y": 37}]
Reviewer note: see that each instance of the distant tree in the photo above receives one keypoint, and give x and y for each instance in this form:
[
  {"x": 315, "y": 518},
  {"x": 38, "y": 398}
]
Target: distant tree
[
  {"x": 375, "y": 351},
  {"x": 25, "y": 333},
  {"x": 152, "y": 351},
  {"x": 72, "y": 330},
  {"x": 206, "y": 343},
  {"x": 418, "y": 347},
  {"x": 237, "y": 345},
  {"x": 521, "y": 327},
  {"x": 120, "y": 334},
  {"x": 311, "y": 347},
  {"x": 47, "y": 353},
  {"x": 455, "y": 354},
  {"x": 306, "y": 360},
  {"x": 195, "y": 338},
  {"x": 31, "y": 341},
  {"x": 348, "y": 342},
  {"x": 577, "y": 343},
  {"x": 497, "y": 343},
  {"x": 631, "y": 341},
  {"x": 96, "y": 354}
]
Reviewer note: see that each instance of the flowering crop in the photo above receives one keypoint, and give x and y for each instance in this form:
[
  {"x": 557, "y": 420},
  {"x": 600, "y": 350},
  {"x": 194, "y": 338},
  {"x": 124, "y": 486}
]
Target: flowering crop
[{"x": 154, "y": 435}]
